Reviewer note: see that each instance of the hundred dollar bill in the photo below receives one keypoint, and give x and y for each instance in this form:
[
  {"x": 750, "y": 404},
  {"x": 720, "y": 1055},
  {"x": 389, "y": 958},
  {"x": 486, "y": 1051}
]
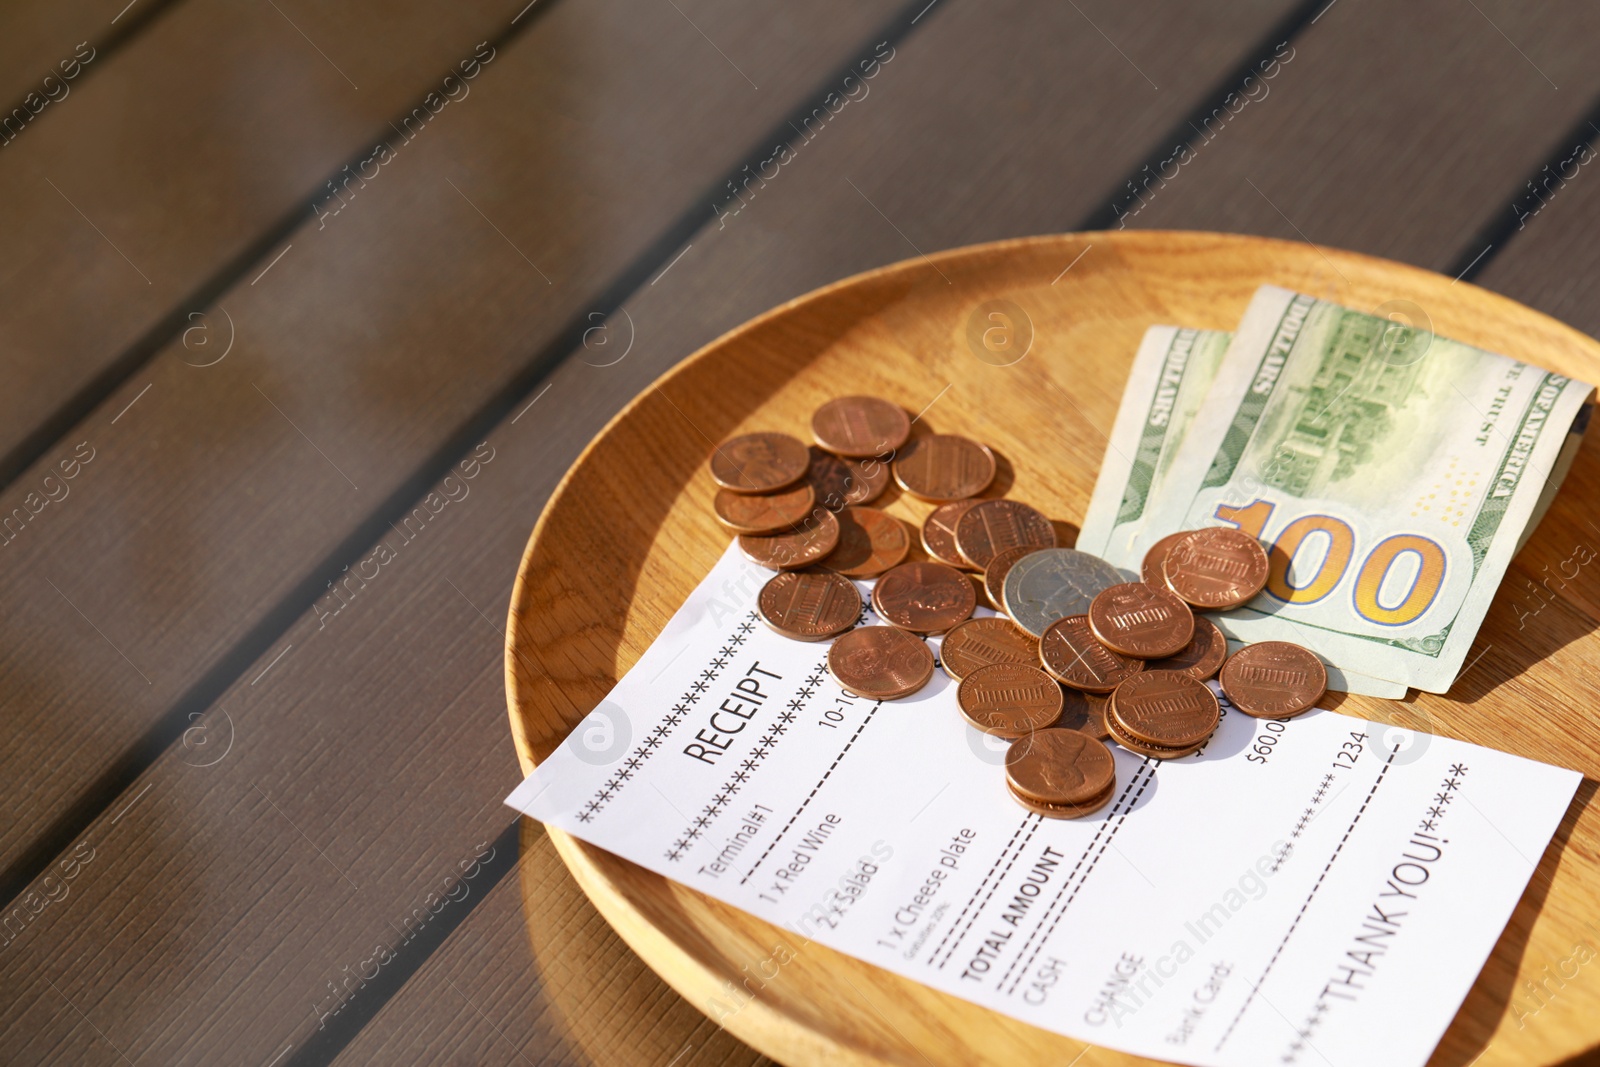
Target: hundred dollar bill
[
  {"x": 1392, "y": 473},
  {"x": 1169, "y": 380},
  {"x": 1171, "y": 374}
]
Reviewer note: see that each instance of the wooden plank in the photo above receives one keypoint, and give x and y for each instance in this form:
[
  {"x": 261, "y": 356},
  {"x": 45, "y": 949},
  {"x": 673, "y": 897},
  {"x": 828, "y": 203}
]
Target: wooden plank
[
  {"x": 517, "y": 987},
  {"x": 61, "y": 41},
  {"x": 309, "y": 815},
  {"x": 1360, "y": 142},
  {"x": 492, "y": 229},
  {"x": 326, "y": 721},
  {"x": 1550, "y": 260},
  {"x": 167, "y": 159}
]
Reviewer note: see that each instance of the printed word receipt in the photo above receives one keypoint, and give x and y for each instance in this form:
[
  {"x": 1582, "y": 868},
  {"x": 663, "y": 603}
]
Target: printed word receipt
[{"x": 1322, "y": 890}]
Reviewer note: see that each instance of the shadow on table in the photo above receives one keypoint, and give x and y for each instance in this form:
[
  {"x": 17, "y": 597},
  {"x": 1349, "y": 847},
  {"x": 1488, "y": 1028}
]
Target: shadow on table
[
  {"x": 1495, "y": 993},
  {"x": 1550, "y": 596}
]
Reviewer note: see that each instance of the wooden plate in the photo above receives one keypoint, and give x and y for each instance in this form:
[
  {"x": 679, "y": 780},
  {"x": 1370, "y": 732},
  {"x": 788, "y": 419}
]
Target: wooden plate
[{"x": 1024, "y": 345}]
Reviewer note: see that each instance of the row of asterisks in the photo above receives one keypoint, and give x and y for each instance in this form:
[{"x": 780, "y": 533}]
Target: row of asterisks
[
  {"x": 1304, "y": 820},
  {"x": 1441, "y": 801},
  {"x": 747, "y": 766},
  {"x": 658, "y": 734}
]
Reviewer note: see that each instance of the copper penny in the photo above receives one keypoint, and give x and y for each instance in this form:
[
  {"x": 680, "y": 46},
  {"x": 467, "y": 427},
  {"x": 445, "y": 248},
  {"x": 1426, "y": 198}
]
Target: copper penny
[
  {"x": 840, "y": 482},
  {"x": 943, "y": 467},
  {"x": 1009, "y": 699},
  {"x": 759, "y": 462},
  {"x": 991, "y": 526},
  {"x": 860, "y": 426},
  {"x": 1152, "y": 570},
  {"x": 1202, "y": 657},
  {"x": 1069, "y": 651},
  {"x": 1273, "y": 679},
  {"x": 1141, "y": 620},
  {"x": 1134, "y": 745},
  {"x": 802, "y": 546},
  {"x": 1062, "y": 811},
  {"x": 1216, "y": 568},
  {"x": 927, "y": 598},
  {"x": 994, "y": 575},
  {"x": 939, "y": 532},
  {"x": 1060, "y": 767},
  {"x": 1165, "y": 709},
  {"x": 809, "y": 605},
  {"x": 754, "y": 513},
  {"x": 870, "y": 542},
  {"x": 981, "y": 642},
  {"x": 1084, "y": 712},
  {"x": 880, "y": 662}
]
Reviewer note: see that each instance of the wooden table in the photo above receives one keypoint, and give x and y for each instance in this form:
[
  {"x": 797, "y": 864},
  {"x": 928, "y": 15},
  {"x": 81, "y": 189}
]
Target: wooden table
[{"x": 305, "y": 309}]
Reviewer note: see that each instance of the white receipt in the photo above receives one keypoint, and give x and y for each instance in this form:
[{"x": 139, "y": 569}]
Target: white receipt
[{"x": 1317, "y": 891}]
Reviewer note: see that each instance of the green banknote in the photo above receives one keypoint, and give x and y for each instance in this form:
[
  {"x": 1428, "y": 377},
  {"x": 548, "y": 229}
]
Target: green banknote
[
  {"x": 1392, "y": 473},
  {"x": 1171, "y": 375}
]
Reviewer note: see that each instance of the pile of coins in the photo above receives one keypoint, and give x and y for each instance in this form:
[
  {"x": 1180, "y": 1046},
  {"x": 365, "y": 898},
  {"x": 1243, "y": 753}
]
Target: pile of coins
[{"x": 1079, "y": 657}]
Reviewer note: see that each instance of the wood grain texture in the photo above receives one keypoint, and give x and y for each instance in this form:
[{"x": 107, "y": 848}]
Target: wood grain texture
[
  {"x": 894, "y": 332},
  {"x": 174, "y": 153},
  {"x": 305, "y": 821},
  {"x": 216, "y": 493},
  {"x": 1398, "y": 128},
  {"x": 506, "y": 991},
  {"x": 35, "y": 38},
  {"x": 1550, "y": 263}
]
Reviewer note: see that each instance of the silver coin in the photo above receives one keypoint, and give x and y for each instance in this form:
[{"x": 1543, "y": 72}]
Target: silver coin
[{"x": 1053, "y": 583}]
